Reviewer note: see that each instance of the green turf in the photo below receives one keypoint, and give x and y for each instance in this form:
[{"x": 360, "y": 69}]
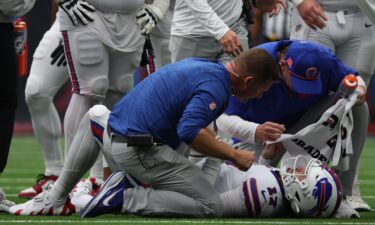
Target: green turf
[{"x": 25, "y": 162}]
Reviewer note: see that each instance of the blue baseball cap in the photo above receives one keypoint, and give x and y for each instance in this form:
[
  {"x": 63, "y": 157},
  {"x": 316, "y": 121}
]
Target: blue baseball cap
[{"x": 303, "y": 61}]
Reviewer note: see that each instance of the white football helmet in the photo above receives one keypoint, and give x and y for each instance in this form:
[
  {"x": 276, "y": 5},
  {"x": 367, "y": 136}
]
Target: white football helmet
[{"x": 312, "y": 188}]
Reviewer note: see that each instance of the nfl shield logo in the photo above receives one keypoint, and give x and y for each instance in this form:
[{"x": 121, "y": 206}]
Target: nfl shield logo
[{"x": 212, "y": 105}]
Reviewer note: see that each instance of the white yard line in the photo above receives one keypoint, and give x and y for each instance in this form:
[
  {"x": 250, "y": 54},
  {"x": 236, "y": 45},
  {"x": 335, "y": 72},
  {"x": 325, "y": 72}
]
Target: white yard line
[{"x": 174, "y": 221}]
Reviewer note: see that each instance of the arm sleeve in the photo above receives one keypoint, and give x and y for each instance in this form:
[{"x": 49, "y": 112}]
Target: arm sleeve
[
  {"x": 16, "y": 7},
  {"x": 202, "y": 109},
  {"x": 237, "y": 127},
  {"x": 207, "y": 17}
]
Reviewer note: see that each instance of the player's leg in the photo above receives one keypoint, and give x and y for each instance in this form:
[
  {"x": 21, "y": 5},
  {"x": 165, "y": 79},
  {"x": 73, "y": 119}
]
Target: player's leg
[
  {"x": 8, "y": 99},
  {"x": 8, "y": 93},
  {"x": 42, "y": 84},
  {"x": 88, "y": 66},
  {"x": 180, "y": 188},
  {"x": 160, "y": 44},
  {"x": 358, "y": 52},
  {"x": 55, "y": 200}
]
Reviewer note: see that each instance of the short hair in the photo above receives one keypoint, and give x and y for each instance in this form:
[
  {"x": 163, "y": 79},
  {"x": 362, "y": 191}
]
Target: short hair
[{"x": 257, "y": 63}]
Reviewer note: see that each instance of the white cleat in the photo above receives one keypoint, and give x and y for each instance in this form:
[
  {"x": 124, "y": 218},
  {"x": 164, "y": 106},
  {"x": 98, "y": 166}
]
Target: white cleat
[
  {"x": 4, "y": 203},
  {"x": 43, "y": 205},
  {"x": 357, "y": 203},
  {"x": 82, "y": 193},
  {"x": 345, "y": 211}
]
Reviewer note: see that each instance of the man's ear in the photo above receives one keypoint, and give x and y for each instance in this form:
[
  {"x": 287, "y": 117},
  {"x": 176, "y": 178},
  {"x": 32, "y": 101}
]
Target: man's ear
[{"x": 248, "y": 80}]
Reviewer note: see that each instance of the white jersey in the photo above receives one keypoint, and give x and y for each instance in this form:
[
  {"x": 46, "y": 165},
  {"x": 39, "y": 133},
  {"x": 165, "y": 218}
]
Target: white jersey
[
  {"x": 328, "y": 139},
  {"x": 116, "y": 30},
  {"x": 205, "y": 17},
  {"x": 259, "y": 190}
]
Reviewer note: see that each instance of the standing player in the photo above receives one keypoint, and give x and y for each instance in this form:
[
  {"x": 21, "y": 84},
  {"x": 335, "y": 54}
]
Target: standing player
[
  {"x": 8, "y": 92},
  {"x": 103, "y": 48},
  {"x": 351, "y": 36}
]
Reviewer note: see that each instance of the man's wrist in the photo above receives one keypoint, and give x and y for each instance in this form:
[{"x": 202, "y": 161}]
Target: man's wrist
[{"x": 296, "y": 3}]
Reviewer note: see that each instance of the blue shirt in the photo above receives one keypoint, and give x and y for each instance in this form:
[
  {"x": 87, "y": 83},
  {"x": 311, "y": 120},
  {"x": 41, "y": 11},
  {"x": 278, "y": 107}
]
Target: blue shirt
[
  {"x": 283, "y": 106},
  {"x": 174, "y": 103}
]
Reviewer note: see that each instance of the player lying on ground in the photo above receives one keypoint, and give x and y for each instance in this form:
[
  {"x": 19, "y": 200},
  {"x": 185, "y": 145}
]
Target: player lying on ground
[{"x": 301, "y": 188}]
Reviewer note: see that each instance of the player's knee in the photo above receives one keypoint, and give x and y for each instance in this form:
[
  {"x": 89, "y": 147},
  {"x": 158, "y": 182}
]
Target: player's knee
[
  {"x": 124, "y": 84},
  {"x": 99, "y": 87},
  {"x": 99, "y": 112},
  {"x": 34, "y": 90}
]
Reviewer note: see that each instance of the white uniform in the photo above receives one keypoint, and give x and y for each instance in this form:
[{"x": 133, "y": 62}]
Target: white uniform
[
  {"x": 257, "y": 192},
  {"x": 197, "y": 27},
  {"x": 160, "y": 37},
  {"x": 42, "y": 84},
  {"x": 351, "y": 36},
  {"x": 102, "y": 57}
]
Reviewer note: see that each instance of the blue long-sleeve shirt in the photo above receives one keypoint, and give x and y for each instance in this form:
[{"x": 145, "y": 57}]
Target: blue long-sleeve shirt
[
  {"x": 174, "y": 103},
  {"x": 281, "y": 105}
]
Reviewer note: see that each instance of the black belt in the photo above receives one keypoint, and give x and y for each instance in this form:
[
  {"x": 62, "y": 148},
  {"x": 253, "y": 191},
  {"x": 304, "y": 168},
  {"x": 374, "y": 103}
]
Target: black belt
[
  {"x": 124, "y": 139},
  {"x": 116, "y": 137}
]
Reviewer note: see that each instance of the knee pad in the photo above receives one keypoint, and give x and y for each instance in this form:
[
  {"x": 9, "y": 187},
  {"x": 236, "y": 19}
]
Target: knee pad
[
  {"x": 34, "y": 90},
  {"x": 99, "y": 86},
  {"x": 99, "y": 114},
  {"x": 125, "y": 84}
]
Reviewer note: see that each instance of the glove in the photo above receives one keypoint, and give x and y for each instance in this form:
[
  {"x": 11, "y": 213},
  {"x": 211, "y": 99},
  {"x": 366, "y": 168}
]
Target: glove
[
  {"x": 58, "y": 55},
  {"x": 78, "y": 10},
  {"x": 147, "y": 18}
]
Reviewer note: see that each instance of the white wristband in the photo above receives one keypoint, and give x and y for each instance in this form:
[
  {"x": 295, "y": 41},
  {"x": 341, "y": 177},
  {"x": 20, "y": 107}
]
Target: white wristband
[{"x": 296, "y": 3}]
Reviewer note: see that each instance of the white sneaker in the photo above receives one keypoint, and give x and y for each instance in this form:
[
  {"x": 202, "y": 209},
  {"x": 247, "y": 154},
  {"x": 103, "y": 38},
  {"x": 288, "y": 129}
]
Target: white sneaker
[
  {"x": 43, "y": 204},
  {"x": 345, "y": 211},
  {"x": 357, "y": 203},
  {"x": 82, "y": 193},
  {"x": 4, "y": 203}
]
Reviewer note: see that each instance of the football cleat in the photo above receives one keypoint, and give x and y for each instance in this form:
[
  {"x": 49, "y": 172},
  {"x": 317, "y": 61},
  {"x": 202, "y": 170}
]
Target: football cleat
[
  {"x": 4, "y": 203},
  {"x": 83, "y": 192},
  {"x": 109, "y": 198},
  {"x": 345, "y": 211},
  {"x": 42, "y": 182},
  {"x": 357, "y": 203},
  {"x": 43, "y": 205}
]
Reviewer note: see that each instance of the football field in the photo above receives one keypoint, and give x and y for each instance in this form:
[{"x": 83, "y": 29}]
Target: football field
[{"x": 25, "y": 162}]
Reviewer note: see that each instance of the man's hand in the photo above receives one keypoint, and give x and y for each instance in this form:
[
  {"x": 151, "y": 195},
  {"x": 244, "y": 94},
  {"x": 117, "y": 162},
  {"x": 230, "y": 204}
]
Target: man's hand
[
  {"x": 78, "y": 10},
  {"x": 244, "y": 159},
  {"x": 361, "y": 98},
  {"x": 272, "y": 150},
  {"x": 312, "y": 13},
  {"x": 269, "y": 131},
  {"x": 147, "y": 18},
  {"x": 58, "y": 55},
  {"x": 231, "y": 43},
  {"x": 275, "y": 10}
]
